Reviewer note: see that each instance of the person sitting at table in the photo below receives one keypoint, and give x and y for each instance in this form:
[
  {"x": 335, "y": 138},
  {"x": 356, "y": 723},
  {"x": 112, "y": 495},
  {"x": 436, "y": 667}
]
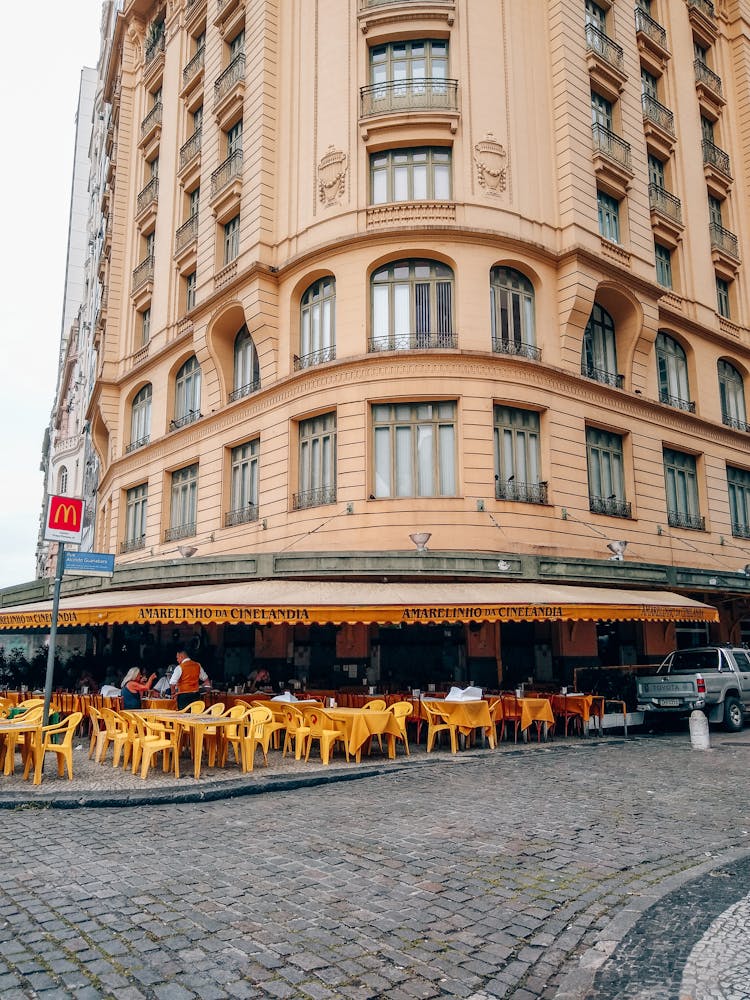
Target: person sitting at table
[
  {"x": 134, "y": 684},
  {"x": 187, "y": 678},
  {"x": 258, "y": 679}
]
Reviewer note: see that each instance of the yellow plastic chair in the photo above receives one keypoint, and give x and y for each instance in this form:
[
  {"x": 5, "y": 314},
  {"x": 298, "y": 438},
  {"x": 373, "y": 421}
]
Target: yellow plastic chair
[
  {"x": 159, "y": 737},
  {"x": 437, "y": 724},
  {"x": 124, "y": 739},
  {"x": 256, "y": 734},
  {"x": 97, "y": 726},
  {"x": 64, "y": 749},
  {"x": 296, "y": 733},
  {"x": 325, "y": 730},
  {"x": 194, "y": 708},
  {"x": 233, "y": 734},
  {"x": 401, "y": 711},
  {"x": 114, "y": 724},
  {"x": 211, "y": 733},
  {"x": 277, "y": 723},
  {"x": 375, "y": 705}
]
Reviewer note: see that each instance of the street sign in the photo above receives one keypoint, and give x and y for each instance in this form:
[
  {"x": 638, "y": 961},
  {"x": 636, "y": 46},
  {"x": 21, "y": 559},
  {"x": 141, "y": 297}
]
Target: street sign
[
  {"x": 88, "y": 564},
  {"x": 64, "y": 520}
]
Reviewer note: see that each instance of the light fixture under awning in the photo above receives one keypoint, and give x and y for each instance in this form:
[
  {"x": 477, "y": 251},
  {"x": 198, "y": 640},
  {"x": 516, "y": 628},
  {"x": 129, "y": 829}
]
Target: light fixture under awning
[{"x": 302, "y": 602}]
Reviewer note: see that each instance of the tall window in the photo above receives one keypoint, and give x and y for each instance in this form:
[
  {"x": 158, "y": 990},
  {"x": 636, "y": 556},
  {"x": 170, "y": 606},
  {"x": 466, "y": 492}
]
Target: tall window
[
  {"x": 232, "y": 240},
  {"x": 409, "y": 63},
  {"x": 140, "y": 418},
  {"x": 191, "y": 284},
  {"x": 681, "y": 481},
  {"x": 184, "y": 503},
  {"x": 412, "y": 306},
  {"x": 663, "y": 259},
  {"x": 605, "y": 472},
  {"x": 246, "y": 367},
  {"x": 732, "y": 395},
  {"x": 649, "y": 84},
  {"x": 655, "y": 171},
  {"x": 234, "y": 138},
  {"x": 722, "y": 298},
  {"x": 609, "y": 216},
  {"x": 187, "y": 399},
  {"x": 715, "y": 211},
  {"x": 415, "y": 449},
  {"x": 410, "y": 175},
  {"x": 672, "y": 373},
  {"x": 237, "y": 45},
  {"x": 145, "y": 325},
  {"x": 512, "y": 312},
  {"x": 317, "y": 462},
  {"x": 317, "y": 336},
  {"x": 601, "y": 111},
  {"x": 738, "y": 483},
  {"x": 136, "y": 501},
  {"x": 244, "y": 484},
  {"x": 517, "y": 455},
  {"x": 595, "y": 15},
  {"x": 62, "y": 480},
  {"x": 194, "y": 202},
  {"x": 599, "y": 353},
  {"x": 198, "y": 119}
]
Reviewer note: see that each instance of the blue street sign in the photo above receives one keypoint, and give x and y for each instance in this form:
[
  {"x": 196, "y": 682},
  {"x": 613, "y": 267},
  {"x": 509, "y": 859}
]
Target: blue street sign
[{"x": 88, "y": 564}]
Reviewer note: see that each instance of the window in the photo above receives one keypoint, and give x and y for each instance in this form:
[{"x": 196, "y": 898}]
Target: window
[
  {"x": 317, "y": 462},
  {"x": 517, "y": 453},
  {"x": 184, "y": 502},
  {"x": 62, "y": 480},
  {"x": 194, "y": 198},
  {"x": 601, "y": 111},
  {"x": 415, "y": 62},
  {"x": 234, "y": 138},
  {"x": 672, "y": 373},
  {"x": 198, "y": 119},
  {"x": 232, "y": 240},
  {"x": 422, "y": 174},
  {"x": 136, "y": 501},
  {"x": 512, "y": 312},
  {"x": 738, "y": 483},
  {"x": 605, "y": 473},
  {"x": 237, "y": 45},
  {"x": 317, "y": 339},
  {"x": 655, "y": 171},
  {"x": 681, "y": 480},
  {"x": 415, "y": 449},
  {"x": 644, "y": 5},
  {"x": 149, "y": 241},
  {"x": 649, "y": 84},
  {"x": 732, "y": 395},
  {"x": 153, "y": 168},
  {"x": 187, "y": 400},
  {"x": 663, "y": 258},
  {"x": 244, "y": 484},
  {"x": 246, "y": 367},
  {"x": 145, "y": 325},
  {"x": 595, "y": 15},
  {"x": 599, "y": 352},
  {"x": 191, "y": 283},
  {"x": 707, "y": 129},
  {"x": 722, "y": 298},
  {"x": 412, "y": 306},
  {"x": 714, "y": 211},
  {"x": 609, "y": 216},
  {"x": 140, "y": 418}
]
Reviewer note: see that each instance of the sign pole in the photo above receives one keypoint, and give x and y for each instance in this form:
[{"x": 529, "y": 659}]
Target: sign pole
[{"x": 53, "y": 632}]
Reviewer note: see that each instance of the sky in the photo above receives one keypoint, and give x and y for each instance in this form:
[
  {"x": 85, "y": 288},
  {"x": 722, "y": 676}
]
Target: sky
[{"x": 39, "y": 107}]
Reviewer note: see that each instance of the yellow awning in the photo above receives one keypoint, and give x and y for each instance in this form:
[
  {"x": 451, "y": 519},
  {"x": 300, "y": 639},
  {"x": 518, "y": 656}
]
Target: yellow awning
[{"x": 302, "y": 602}]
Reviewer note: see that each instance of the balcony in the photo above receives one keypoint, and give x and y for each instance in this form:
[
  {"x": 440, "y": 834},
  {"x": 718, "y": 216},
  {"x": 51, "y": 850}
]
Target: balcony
[
  {"x": 314, "y": 498},
  {"x": 740, "y": 530},
  {"x": 693, "y": 522},
  {"x": 319, "y": 357},
  {"x": 146, "y": 203},
  {"x": 611, "y": 161},
  {"x": 151, "y": 130},
  {"x": 735, "y": 423},
  {"x": 652, "y": 42},
  {"x": 516, "y": 349},
  {"x": 717, "y": 170},
  {"x": 399, "y": 101},
  {"x": 192, "y": 72},
  {"x": 226, "y": 187},
  {"x": 610, "y": 506},
  {"x": 725, "y": 252},
  {"x": 187, "y": 418},
  {"x": 229, "y": 92},
  {"x": 602, "y": 375},
  {"x": 243, "y": 515},
  {"x": 143, "y": 281},
  {"x": 135, "y": 445},
  {"x": 658, "y": 126},
  {"x": 702, "y": 17},
  {"x": 606, "y": 63},
  {"x": 185, "y": 239},
  {"x": 155, "y": 48},
  {"x": 244, "y": 390},
  {"x": 509, "y": 489},
  {"x": 132, "y": 545},
  {"x": 708, "y": 86},
  {"x": 413, "y": 342},
  {"x": 676, "y": 401},
  {"x": 180, "y": 531},
  {"x": 666, "y": 216},
  {"x": 189, "y": 160}
]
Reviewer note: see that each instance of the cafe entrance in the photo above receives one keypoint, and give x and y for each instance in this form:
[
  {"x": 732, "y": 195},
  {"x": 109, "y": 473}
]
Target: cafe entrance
[{"x": 417, "y": 655}]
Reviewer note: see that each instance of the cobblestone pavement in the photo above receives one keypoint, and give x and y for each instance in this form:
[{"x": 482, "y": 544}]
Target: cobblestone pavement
[{"x": 581, "y": 870}]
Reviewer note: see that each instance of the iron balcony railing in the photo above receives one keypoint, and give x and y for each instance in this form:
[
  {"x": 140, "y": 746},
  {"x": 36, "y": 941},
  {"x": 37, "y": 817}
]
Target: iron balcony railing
[
  {"x": 611, "y": 145},
  {"x": 509, "y": 489},
  {"x": 243, "y": 515},
  {"x": 155, "y": 48},
  {"x": 704, "y": 6},
  {"x": 132, "y": 544},
  {"x": 186, "y": 233},
  {"x": 234, "y": 72},
  {"x": 678, "y": 519},
  {"x": 148, "y": 195},
  {"x": 140, "y": 443},
  {"x": 226, "y": 172},
  {"x": 723, "y": 240},
  {"x": 408, "y": 95},
  {"x": 412, "y": 342},
  {"x": 715, "y": 157},
  {"x": 188, "y": 418},
  {"x": 602, "y": 375},
  {"x": 735, "y": 422},
  {"x": 610, "y": 506},
  {"x": 516, "y": 348},
  {"x": 152, "y": 118},
  {"x": 143, "y": 273},
  {"x": 707, "y": 77},
  {"x": 648, "y": 26},
  {"x": 603, "y": 45},
  {"x": 314, "y": 498},
  {"x": 740, "y": 530},
  {"x": 657, "y": 113},
  {"x": 665, "y": 202},
  {"x": 190, "y": 148},
  {"x": 180, "y": 531},
  {"x": 244, "y": 390},
  {"x": 194, "y": 66},
  {"x": 315, "y": 358},
  {"x": 676, "y": 401}
]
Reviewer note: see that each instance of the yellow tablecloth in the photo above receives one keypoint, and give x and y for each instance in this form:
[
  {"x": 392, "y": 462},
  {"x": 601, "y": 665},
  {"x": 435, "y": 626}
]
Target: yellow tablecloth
[
  {"x": 528, "y": 710},
  {"x": 573, "y": 704},
  {"x": 360, "y": 725},
  {"x": 467, "y": 715}
]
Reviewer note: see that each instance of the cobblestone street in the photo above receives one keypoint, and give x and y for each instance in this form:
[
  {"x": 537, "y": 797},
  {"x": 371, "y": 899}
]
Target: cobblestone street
[{"x": 584, "y": 870}]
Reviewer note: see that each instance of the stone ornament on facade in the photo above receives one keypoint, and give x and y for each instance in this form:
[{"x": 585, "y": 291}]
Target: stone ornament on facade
[
  {"x": 332, "y": 176},
  {"x": 490, "y": 158}
]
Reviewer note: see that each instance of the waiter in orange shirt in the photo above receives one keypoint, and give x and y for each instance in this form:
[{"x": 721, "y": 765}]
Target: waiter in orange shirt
[{"x": 187, "y": 677}]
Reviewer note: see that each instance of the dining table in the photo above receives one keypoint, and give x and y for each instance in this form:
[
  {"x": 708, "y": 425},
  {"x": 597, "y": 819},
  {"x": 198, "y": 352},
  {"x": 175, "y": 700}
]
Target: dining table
[
  {"x": 526, "y": 712},
  {"x": 361, "y": 724},
  {"x": 32, "y": 734},
  {"x": 573, "y": 706},
  {"x": 196, "y": 725},
  {"x": 466, "y": 715}
]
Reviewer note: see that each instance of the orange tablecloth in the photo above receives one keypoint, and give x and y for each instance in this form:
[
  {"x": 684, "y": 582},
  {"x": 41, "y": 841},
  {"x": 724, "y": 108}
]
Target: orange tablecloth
[
  {"x": 573, "y": 704},
  {"x": 528, "y": 710},
  {"x": 467, "y": 715},
  {"x": 360, "y": 725}
]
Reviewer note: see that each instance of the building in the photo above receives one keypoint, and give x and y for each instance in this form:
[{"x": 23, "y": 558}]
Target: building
[{"x": 427, "y": 293}]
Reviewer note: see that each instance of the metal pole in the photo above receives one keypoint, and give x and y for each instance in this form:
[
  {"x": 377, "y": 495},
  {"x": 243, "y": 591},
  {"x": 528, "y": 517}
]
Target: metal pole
[{"x": 53, "y": 633}]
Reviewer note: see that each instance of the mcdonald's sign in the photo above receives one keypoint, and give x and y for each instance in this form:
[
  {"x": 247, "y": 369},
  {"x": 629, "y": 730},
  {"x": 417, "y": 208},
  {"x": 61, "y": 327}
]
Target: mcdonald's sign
[{"x": 64, "y": 520}]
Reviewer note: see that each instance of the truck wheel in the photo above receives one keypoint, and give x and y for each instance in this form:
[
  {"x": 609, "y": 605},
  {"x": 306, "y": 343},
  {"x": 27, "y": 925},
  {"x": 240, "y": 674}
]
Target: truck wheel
[{"x": 733, "y": 718}]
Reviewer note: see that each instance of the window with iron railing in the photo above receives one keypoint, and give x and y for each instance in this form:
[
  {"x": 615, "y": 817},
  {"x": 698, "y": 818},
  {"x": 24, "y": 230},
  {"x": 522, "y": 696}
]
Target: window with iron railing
[
  {"x": 681, "y": 481},
  {"x": 518, "y": 455},
  {"x": 317, "y": 462},
  {"x": 732, "y": 396},
  {"x": 606, "y": 477}
]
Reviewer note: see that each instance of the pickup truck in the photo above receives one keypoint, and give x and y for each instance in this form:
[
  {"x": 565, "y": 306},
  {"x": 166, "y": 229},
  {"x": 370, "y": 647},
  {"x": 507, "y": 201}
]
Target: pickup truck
[{"x": 714, "y": 679}]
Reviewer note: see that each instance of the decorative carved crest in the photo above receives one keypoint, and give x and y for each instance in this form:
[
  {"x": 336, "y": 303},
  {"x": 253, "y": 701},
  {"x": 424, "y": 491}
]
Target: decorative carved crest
[
  {"x": 490, "y": 157},
  {"x": 332, "y": 176}
]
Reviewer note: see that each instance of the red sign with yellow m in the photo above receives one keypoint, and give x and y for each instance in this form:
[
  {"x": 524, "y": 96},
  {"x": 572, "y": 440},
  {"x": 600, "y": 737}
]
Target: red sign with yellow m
[{"x": 64, "y": 519}]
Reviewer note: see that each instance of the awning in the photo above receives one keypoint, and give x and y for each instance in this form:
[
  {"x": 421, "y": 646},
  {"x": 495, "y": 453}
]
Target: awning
[{"x": 304, "y": 602}]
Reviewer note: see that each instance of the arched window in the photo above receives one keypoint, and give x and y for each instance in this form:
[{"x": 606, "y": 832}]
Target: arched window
[
  {"x": 732, "y": 394},
  {"x": 62, "y": 480},
  {"x": 246, "y": 368},
  {"x": 140, "y": 419},
  {"x": 672, "y": 373},
  {"x": 512, "y": 313},
  {"x": 317, "y": 335},
  {"x": 187, "y": 397},
  {"x": 599, "y": 353},
  {"x": 412, "y": 306}
]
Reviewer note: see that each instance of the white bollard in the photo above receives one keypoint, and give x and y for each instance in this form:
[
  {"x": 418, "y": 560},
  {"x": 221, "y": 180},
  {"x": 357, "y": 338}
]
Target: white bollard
[{"x": 699, "y": 737}]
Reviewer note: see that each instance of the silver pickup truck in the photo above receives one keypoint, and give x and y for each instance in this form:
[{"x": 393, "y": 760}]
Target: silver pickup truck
[{"x": 715, "y": 679}]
